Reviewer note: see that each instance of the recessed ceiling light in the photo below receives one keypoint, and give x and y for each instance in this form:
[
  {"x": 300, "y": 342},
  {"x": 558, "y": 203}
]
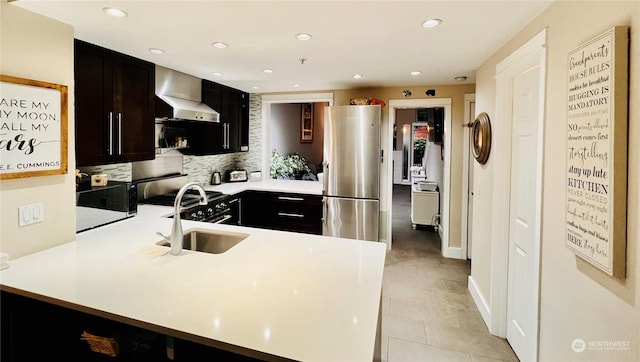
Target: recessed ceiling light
[
  {"x": 296, "y": 85},
  {"x": 357, "y": 76},
  {"x": 461, "y": 78},
  {"x": 217, "y": 74},
  {"x": 431, "y": 23},
  {"x": 118, "y": 13},
  {"x": 156, "y": 51},
  {"x": 269, "y": 71},
  {"x": 303, "y": 36},
  {"x": 219, "y": 45},
  {"x": 416, "y": 72},
  {"x": 255, "y": 87}
]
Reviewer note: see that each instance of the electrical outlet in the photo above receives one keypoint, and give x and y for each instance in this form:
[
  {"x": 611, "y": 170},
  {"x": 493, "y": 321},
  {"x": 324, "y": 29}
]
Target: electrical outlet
[{"x": 30, "y": 214}]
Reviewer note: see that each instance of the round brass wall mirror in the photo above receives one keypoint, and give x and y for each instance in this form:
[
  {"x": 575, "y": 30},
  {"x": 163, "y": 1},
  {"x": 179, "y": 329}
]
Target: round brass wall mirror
[{"x": 481, "y": 138}]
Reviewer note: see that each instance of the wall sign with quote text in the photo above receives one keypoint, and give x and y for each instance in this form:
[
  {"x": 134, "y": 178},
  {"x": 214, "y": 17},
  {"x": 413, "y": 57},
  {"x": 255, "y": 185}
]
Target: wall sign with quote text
[
  {"x": 33, "y": 128},
  {"x": 596, "y": 176}
]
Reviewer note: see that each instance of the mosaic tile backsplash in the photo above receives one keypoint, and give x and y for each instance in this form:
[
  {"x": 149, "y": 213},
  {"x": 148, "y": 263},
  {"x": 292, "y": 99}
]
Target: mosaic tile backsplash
[
  {"x": 115, "y": 172},
  {"x": 200, "y": 168}
]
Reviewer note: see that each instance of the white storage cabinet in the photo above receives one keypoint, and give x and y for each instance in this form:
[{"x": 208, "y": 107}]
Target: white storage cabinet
[{"x": 425, "y": 206}]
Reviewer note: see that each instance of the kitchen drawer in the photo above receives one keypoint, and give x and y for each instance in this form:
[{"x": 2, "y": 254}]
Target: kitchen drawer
[
  {"x": 282, "y": 211},
  {"x": 299, "y": 213}
]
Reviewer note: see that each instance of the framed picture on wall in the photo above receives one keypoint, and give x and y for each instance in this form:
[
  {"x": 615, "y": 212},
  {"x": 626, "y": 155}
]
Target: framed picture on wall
[
  {"x": 306, "y": 123},
  {"x": 33, "y": 128}
]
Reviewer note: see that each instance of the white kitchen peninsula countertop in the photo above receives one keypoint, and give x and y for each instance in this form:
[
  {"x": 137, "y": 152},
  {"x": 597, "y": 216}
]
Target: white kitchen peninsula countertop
[
  {"x": 291, "y": 186},
  {"x": 298, "y": 296}
]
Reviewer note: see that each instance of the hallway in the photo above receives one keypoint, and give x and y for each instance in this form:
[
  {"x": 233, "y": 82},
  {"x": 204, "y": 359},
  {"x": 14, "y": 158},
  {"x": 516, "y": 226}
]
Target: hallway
[{"x": 427, "y": 311}]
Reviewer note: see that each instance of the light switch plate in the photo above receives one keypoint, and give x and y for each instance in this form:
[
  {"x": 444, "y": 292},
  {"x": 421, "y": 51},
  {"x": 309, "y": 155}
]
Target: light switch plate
[{"x": 30, "y": 214}]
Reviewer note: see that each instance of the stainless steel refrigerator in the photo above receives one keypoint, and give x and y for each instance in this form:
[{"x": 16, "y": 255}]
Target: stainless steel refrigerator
[{"x": 351, "y": 172}]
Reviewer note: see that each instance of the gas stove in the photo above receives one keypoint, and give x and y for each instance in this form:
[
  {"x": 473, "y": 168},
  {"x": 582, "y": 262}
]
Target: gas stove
[
  {"x": 220, "y": 208},
  {"x": 190, "y": 199}
]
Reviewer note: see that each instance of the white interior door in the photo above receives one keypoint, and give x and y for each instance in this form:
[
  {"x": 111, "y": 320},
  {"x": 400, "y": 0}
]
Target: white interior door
[{"x": 524, "y": 214}]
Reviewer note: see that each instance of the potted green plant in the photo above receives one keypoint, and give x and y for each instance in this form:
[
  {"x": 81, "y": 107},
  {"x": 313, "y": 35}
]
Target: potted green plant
[{"x": 290, "y": 167}]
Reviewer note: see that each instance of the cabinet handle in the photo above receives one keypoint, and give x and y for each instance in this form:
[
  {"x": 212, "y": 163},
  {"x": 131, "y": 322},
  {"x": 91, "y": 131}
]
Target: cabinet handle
[
  {"x": 233, "y": 201},
  {"x": 227, "y": 135},
  {"x": 288, "y": 198},
  {"x": 285, "y": 214},
  {"x": 110, "y": 147},
  {"x": 119, "y": 133},
  {"x": 224, "y": 136}
]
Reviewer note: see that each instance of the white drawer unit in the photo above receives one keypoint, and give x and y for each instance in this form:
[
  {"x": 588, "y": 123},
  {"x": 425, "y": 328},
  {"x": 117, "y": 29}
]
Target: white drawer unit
[{"x": 425, "y": 206}]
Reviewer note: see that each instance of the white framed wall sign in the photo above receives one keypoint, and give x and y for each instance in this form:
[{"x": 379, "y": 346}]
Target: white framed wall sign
[
  {"x": 33, "y": 128},
  {"x": 596, "y": 175}
]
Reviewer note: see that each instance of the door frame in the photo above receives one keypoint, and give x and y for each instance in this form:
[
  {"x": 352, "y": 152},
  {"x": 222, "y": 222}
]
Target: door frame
[
  {"x": 501, "y": 199},
  {"x": 466, "y": 164},
  {"x": 444, "y": 207},
  {"x": 267, "y": 101}
]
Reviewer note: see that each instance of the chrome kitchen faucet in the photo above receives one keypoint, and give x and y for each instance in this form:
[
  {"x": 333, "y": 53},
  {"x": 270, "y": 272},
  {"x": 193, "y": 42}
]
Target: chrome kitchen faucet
[{"x": 176, "y": 237}]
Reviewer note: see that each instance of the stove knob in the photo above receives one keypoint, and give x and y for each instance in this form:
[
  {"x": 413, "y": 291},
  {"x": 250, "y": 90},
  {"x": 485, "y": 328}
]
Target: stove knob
[
  {"x": 200, "y": 215},
  {"x": 210, "y": 212},
  {"x": 193, "y": 216}
]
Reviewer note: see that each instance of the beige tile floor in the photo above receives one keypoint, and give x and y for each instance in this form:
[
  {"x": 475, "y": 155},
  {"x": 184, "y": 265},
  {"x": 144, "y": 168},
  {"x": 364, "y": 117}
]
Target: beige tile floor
[{"x": 427, "y": 311}]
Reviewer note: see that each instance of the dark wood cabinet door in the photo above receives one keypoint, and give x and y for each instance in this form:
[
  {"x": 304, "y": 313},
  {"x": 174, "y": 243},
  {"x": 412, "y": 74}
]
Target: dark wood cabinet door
[
  {"x": 257, "y": 209},
  {"x": 93, "y": 102},
  {"x": 205, "y": 138},
  {"x": 233, "y": 106},
  {"x": 134, "y": 96},
  {"x": 244, "y": 123},
  {"x": 213, "y": 142},
  {"x": 232, "y": 110},
  {"x": 114, "y": 105}
]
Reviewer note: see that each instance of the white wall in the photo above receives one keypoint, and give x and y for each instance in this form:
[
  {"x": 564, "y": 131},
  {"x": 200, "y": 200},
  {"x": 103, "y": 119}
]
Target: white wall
[
  {"x": 577, "y": 300},
  {"x": 36, "y": 47}
]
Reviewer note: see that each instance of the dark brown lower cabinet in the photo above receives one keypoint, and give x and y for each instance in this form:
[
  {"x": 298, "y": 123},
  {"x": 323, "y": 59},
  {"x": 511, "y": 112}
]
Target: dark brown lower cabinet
[
  {"x": 282, "y": 211},
  {"x": 37, "y": 331}
]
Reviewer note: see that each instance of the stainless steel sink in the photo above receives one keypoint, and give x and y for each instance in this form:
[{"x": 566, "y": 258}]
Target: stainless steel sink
[{"x": 208, "y": 241}]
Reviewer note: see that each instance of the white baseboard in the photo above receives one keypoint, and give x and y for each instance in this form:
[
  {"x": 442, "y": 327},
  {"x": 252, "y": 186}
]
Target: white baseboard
[
  {"x": 454, "y": 253},
  {"x": 481, "y": 303}
]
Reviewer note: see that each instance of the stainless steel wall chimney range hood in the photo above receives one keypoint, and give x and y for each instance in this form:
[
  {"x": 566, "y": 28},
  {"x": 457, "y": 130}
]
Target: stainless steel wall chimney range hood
[{"x": 178, "y": 97}]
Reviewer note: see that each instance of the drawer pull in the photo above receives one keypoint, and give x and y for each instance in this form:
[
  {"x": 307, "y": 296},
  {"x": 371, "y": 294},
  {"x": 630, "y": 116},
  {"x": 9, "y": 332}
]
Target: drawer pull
[
  {"x": 290, "y": 215},
  {"x": 287, "y": 198}
]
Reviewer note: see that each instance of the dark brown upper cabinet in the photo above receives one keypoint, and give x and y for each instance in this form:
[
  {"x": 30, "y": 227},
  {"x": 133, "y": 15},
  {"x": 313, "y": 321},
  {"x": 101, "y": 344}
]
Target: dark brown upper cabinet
[
  {"x": 114, "y": 106},
  {"x": 232, "y": 133}
]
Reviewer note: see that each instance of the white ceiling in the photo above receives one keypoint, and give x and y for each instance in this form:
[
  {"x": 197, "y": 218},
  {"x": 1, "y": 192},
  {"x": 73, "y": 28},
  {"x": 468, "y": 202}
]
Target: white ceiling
[{"x": 382, "y": 40}]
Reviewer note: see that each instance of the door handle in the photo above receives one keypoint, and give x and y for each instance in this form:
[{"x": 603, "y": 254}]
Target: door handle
[
  {"x": 325, "y": 178},
  {"x": 110, "y": 146},
  {"x": 224, "y": 136},
  {"x": 286, "y": 214},
  {"x": 287, "y": 198},
  {"x": 119, "y": 133},
  {"x": 324, "y": 216}
]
